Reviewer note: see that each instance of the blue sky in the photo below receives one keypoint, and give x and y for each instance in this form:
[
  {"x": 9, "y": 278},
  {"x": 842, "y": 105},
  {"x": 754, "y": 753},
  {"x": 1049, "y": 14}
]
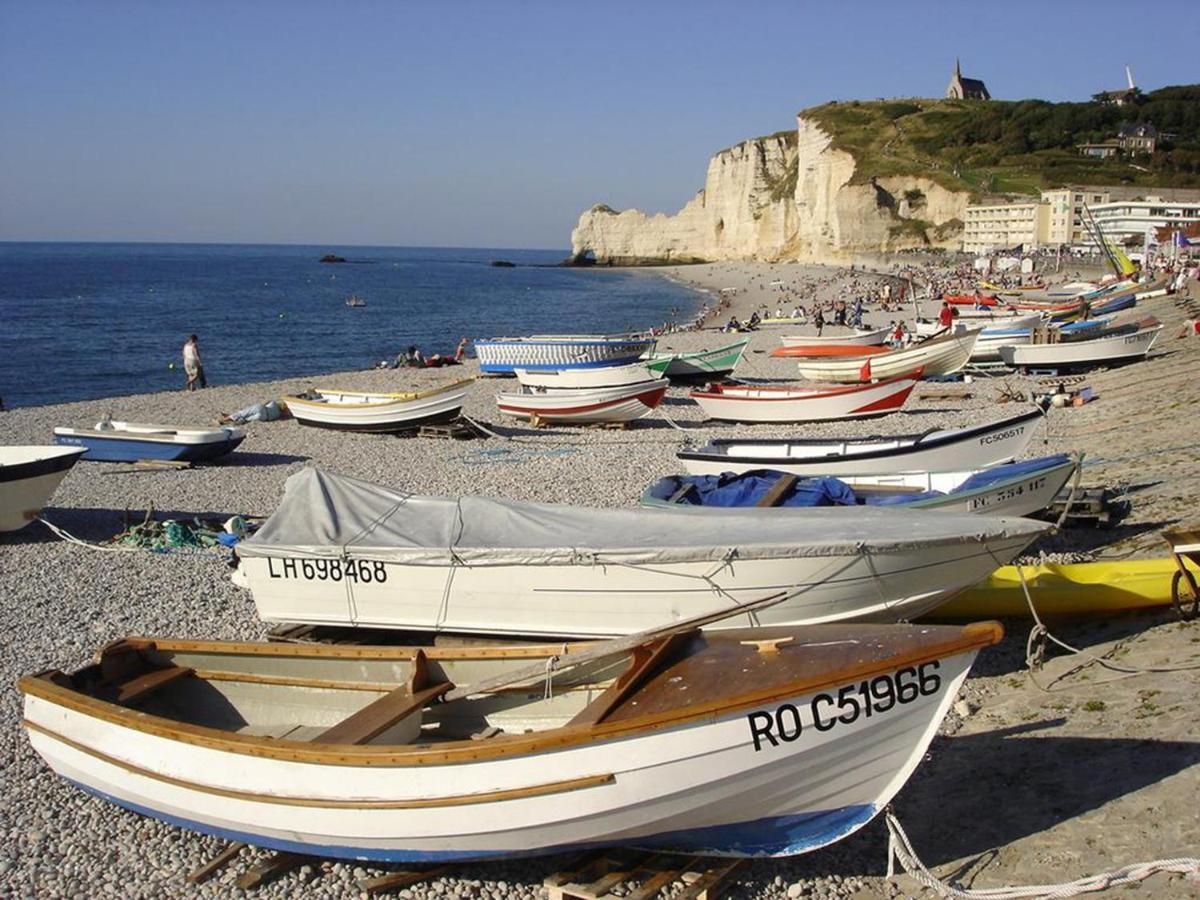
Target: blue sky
[{"x": 485, "y": 124}]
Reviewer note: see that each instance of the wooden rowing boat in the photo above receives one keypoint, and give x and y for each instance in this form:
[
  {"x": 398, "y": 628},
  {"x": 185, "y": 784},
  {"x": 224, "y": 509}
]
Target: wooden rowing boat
[
  {"x": 377, "y": 412},
  {"x": 733, "y": 743},
  {"x": 1126, "y": 345},
  {"x": 763, "y": 403},
  {"x": 565, "y": 405},
  {"x": 699, "y": 364},
  {"x": 935, "y": 356},
  {"x": 864, "y": 337}
]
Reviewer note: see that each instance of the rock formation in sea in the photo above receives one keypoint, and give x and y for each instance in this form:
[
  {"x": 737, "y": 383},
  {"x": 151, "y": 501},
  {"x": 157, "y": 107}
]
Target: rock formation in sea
[{"x": 790, "y": 195}]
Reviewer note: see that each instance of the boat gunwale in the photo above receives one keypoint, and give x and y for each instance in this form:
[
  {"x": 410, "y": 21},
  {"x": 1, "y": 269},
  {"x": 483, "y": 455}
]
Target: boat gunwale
[
  {"x": 393, "y": 399},
  {"x": 971, "y": 638}
]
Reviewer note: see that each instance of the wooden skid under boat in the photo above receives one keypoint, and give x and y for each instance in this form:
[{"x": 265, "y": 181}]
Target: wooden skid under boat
[
  {"x": 1065, "y": 590},
  {"x": 735, "y": 744},
  {"x": 755, "y": 403},
  {"x": 28, "y": 477},
  {"x": 950, "y": 450},
  {"x": 936, "y": 356},
  {"x": 378, "y": 413},
  {"x": 111, "y": 441}
]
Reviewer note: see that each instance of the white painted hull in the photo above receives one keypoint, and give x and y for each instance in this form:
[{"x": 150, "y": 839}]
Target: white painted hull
[
  {"x": 754, "y": 405},
  {"x": 29, "y": 476},
  {"x": 938, "y": 356},
  {"x": 595, "y": 600},
  {"x": 987, "y": 348},
  {"x": 1019, "y": 497},
  {"x": 506, "y": 355},
  {"x": 835, "y": 335},
  {"x": 701, "y": 786},
  {"x": 976, "y": 450},
  {"x": 604, "y": 377},
  {"x": 1097, "y": 352},
  {"x": 583, "y": 405},
  {"x": 355, "y": 411}
]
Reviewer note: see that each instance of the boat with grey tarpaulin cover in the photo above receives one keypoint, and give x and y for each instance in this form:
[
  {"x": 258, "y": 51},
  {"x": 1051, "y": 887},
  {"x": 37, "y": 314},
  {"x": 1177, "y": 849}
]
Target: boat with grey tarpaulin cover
[
  {"x": 342, "y": 551},
  {"x": 750, "y": 742}
]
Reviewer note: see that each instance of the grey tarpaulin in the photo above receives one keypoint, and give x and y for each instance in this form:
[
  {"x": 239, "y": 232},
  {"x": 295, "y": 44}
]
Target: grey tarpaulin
[{"x": 323, "y": 514}]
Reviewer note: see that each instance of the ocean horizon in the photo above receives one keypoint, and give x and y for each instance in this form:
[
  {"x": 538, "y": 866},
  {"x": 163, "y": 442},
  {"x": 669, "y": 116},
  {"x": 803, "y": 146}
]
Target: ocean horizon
[{"x": 87, "y": 320}]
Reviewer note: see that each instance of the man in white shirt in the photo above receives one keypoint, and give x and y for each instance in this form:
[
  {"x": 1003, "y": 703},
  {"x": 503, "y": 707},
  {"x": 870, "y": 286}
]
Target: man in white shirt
[{"x": 192, "y": 365}]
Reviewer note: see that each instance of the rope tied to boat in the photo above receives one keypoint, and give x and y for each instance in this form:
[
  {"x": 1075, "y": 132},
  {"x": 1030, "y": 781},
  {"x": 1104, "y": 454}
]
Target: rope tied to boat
[
  {"x": 900, "y": 849},
  {"x": 551, "y": 665}
]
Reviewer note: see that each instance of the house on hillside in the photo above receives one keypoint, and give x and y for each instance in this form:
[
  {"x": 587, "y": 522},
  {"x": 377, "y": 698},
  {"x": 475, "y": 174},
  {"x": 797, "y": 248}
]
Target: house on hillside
[
  {"x": 1140, "y": 138},
  {"x": 1122, "y": 96},
  {"x": 965, "y": 88}
]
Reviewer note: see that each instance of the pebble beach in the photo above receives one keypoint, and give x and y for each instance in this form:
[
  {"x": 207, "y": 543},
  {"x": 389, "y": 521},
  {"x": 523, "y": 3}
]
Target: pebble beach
[{"x": 1022, "y": 786}]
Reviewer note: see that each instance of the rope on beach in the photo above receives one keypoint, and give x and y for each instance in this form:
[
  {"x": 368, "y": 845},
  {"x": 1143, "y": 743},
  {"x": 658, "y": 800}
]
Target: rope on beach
[
  {"x": 900, "y": 849},
  {"x": 71, "y": 539}
]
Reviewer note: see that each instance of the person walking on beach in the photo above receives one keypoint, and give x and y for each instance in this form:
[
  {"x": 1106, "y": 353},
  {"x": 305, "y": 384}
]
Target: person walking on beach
[{"x": 192, "y": 364}]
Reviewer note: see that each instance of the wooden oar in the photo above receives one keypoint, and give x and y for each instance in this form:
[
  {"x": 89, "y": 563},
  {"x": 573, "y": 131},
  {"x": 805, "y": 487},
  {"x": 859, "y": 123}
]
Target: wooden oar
[{"x": 614, "y": 646}]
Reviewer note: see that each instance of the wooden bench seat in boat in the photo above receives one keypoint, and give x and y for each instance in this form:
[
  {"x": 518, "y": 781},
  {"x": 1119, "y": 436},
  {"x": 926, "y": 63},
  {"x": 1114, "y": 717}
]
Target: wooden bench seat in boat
[{"x": 141, "y": 686}]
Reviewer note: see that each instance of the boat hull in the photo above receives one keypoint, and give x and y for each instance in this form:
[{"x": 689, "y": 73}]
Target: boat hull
[
  {"x": 603, "y": 377},
  {"x": 734, "y": 791},
  {"x": 964, "y": 450},
  {"x": 379, "y": 415},
  {"x": 874, "y": 338},
  {"x": 104, "y": 447},
  {"x": 703, "y": 364},
  {"x": 756, "y": 405},
  {"x": 28, "y": 478},
  {"x": 1084, "y": 354},
  {"x": 503, "y": 356},
  {"x": 566, "y": 406},
  {"x": 937, "y": 356}
]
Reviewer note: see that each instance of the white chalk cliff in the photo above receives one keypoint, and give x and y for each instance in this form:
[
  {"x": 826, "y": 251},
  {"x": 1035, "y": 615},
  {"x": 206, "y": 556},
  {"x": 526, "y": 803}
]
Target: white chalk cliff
[{"x": 787, "y": 196}]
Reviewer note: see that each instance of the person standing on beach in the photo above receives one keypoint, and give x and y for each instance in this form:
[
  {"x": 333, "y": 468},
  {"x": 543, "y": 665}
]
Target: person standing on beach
[{"x": 192, "y": 364}]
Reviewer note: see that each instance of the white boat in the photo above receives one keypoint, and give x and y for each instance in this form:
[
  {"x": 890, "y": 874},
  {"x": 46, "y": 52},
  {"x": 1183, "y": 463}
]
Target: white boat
[
  {"x": 117, "y": 441},
  {"x": 759, "y": 403},
  {"x": 623, "y": 403},
  {"x": 949, "y": 450},
  {"x": 606, "y": 376},
  {"x": 28, "y": 477},
  {"x": 378, "y": 412},
  {"x": 804, "y": 736},
  {"x": 1015, "y": 334},
  {"x": 1102, "y": 351},
  {"x": 932, "y": 327},
  {"x": 936, "y": 356},
  {"x": 503, "y": 356},
  {"x": 858, "y": 337},
  {"x": 343, "y": 551}
]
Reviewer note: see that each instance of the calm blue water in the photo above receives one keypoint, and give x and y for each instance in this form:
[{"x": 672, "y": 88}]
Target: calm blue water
[{"x": 80, "y": 321}]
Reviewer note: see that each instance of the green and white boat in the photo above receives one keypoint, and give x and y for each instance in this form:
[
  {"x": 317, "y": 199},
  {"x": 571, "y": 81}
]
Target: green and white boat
[{"x": 699, "y": 364}]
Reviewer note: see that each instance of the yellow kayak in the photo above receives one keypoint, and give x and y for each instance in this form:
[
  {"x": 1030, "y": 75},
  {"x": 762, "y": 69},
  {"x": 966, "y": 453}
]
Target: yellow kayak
[{"x": 1075, "y": 589}]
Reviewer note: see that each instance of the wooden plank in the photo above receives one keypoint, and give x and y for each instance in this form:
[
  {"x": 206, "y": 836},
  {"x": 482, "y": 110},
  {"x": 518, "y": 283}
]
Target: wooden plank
[
  {"x": 645, "y": 661},
  {"x": 271, "y": 867},
  {"x": 660, "y": 879},
  {"x": 681, "y": 492},
  {"x": 944, "y": 394},
  {"x": 396, "y": 880},
  {"x": 778, "y": 489},
  {"x": 382, "y": 714},
  {"x": 709, "y": 884},
  {"x": 216, "y": 864},
  {"x": 142, "y": 685}
]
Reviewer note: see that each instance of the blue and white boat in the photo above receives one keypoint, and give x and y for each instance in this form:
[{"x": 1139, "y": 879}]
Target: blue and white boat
[
  {"x": 540, "y": 352},
  {"x": 132, "y": 441},
  {"x": 1014, "y": 489}
]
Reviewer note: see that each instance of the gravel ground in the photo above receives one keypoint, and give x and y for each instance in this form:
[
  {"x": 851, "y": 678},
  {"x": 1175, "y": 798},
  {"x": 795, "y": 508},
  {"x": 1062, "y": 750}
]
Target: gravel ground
[{"x": 60, "y": 602}]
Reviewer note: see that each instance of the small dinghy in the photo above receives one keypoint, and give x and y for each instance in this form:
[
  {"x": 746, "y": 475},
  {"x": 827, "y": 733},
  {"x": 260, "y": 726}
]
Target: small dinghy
[
  {"x": 761, "y": 403},
  {"x": 566, "y": 406},
  {"x": 604, "y": 377},
  {"x": 347, "y": 552},
  {"x": 132, "y": 441},
  {"x": 1123, "y": 344},
  {"x": 700, "y": 364},
  {"x": 935, "y": 356},
  {"x": 1014, "y": 489},
  {"x": 862, "y": 337},
  {"x": 28, "y": 477},
  {"x": 378, "y": 413},
  {"x": 753, "y": 742},
  {"x": 949, "y": 450}
]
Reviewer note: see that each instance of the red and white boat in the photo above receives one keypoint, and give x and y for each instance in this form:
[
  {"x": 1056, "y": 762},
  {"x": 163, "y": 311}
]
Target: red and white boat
[
  {"x": 755, "y": 403},
  {"x": 826, "y": 351},
  {"x": 619, "y": 403},
  {"x": 860, "y": 336},
  {"x": 935, "y": 356}
]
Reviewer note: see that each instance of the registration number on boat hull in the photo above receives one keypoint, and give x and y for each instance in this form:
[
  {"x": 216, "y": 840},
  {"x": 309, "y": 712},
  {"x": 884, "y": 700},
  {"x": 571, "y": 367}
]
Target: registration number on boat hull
[
  {"x": 360, "y": 571},
  {"x": 1009, "y": 493},
  {"x": 828, "y": 710}
]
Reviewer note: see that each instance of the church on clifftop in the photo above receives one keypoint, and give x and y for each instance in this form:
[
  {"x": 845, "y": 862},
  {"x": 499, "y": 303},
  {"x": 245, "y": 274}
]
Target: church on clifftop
[{"x": 965, "y": 88}]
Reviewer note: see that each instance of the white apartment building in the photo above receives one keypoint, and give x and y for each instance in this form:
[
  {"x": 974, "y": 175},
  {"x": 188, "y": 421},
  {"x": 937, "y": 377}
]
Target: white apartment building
[
  {"x": 995, "y": 226},
  {"x": 1065, "y": 224},
  {"x": 1127, "y": 221}
]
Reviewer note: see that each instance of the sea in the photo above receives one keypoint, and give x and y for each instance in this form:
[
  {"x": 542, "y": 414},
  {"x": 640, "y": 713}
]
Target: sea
[{"x": 84, "y": 321}]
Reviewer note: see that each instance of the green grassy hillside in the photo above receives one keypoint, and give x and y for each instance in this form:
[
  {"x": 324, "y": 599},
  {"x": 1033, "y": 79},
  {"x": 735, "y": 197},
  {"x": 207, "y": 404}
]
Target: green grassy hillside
[{"x": 1021, "y": 147}]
